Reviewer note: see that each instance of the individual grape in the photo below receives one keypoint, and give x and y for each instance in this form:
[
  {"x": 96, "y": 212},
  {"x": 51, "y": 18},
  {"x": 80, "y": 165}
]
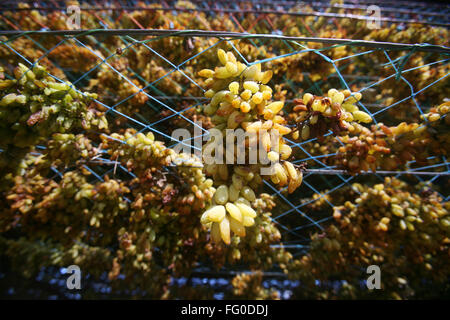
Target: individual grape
[
  {"x": 233, "y": 192},
  {"x": 272, "y": 109},
  {"x": 252, "y": 71},
  {"x": 285, "y": 151},
  {"x": 221, "y": 195},
  {"x": 238, "y": 181},
  {"x": 245, "y": 107},
  {"x": 362, "y": 116},
  {"x": 216, "y": 213},
  {"x": 257, "y": 98},
  {"x": 222, "y": 56},
  {"x": 237, "y": 227},
  {"x": 246, "y": 94},
  {"x": 248, "y": 221},
  {"x": 206, "y": 73},
  {"x": 246, "y": 210},
  {"x": 248, "y": 193},
  {"x": 273, "y": 156},
  {"x": 216, "y": 233},
  {"x": 234, "y": 87},
  {"x": 251, "y": 86},
  {"x": 225, "y": 230},
  {"x": 234, "y": 211},
  {"x": 231, "y": 67}
]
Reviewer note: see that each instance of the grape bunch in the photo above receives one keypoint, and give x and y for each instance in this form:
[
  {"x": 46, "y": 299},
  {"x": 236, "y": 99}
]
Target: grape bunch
[
  {"x": 403, "y": 229},
  {"x": 390, "y": 148},
  {"x": 314, "y": 116},
  {"x": 249, "y": 286},
  {"x": 76, "y": 58},
  {"x": 241, "y": 99},
  {"x": 182, "y": 186},
  {"x": 42, "y": 107},
  {"x": 34, "y": 106},
  {"x": 65, "y": 149}
]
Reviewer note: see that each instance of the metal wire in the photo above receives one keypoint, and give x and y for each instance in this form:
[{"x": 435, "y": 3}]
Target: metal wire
[
  {"x": 381, "y": 172},
  {"x": 228, "y": 10},
  {"x": 230, "y": 35}
]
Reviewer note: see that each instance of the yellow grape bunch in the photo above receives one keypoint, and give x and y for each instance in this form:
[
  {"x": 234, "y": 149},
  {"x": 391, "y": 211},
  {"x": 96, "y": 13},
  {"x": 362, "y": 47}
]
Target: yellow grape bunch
[
  {"x": 229, "y": 216},
  {"x": 337, "y": 111},
  {"x": 241, "y": 99}
]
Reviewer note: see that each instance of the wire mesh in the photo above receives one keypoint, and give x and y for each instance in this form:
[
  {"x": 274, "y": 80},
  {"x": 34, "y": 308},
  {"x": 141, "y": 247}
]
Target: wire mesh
[
  {"x": 399, "y": 12},
  {"x": 170, "y": 89}
]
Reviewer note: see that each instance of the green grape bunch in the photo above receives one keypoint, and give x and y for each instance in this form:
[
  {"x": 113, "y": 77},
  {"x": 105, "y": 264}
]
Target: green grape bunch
[{"x": 33, "y": 106}]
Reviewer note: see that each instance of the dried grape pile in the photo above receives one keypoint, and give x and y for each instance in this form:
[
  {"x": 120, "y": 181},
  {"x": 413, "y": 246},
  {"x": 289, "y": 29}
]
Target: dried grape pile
[{"x": 89, "y": 174}]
